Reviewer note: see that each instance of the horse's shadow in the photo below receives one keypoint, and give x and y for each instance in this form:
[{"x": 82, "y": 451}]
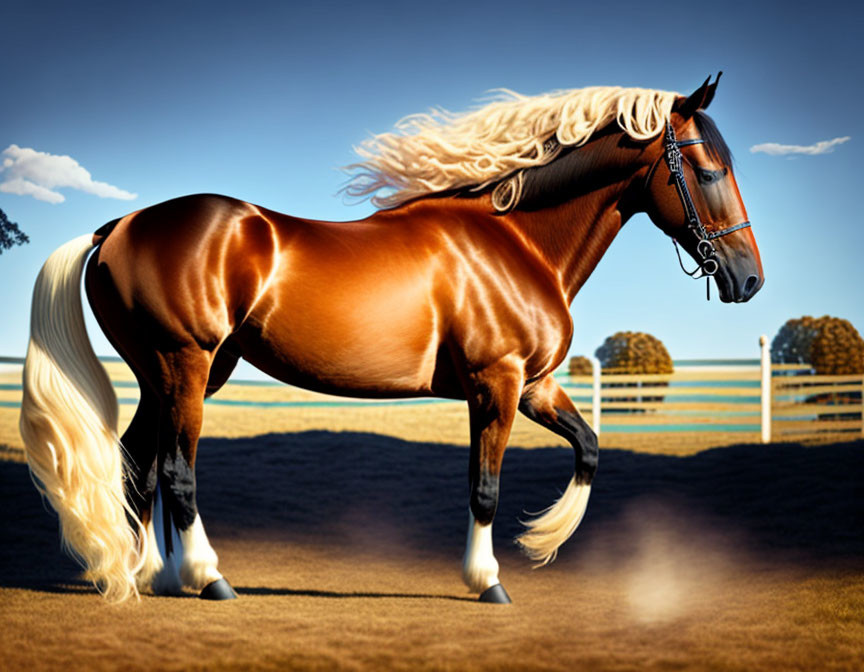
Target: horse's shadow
[
  {"x": 331, "y": 594},
  {"x": 785, "y": 503}
]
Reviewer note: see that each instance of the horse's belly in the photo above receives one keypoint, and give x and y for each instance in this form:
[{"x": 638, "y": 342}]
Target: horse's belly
[{"x": 377, "y": 340}]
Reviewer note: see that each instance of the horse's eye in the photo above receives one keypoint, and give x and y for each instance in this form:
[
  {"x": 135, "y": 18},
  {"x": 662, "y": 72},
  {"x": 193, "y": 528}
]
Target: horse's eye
[{"x": 705, "y": 176}]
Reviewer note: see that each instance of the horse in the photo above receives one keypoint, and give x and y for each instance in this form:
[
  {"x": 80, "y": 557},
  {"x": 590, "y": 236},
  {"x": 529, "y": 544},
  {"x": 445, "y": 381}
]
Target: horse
[{"x": 458, "y": 286}]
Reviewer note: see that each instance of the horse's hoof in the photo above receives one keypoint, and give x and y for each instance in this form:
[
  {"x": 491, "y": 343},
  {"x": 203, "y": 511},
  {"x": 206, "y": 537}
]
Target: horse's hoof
[
  {"x": 495, "y": 595},
  {"x": 218, "y": 590}
]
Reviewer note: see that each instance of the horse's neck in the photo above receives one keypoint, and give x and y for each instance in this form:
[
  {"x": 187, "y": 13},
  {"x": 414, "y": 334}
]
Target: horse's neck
[
  {"x": 572, "y": 238},
  {"x": 573, "y": 235}
]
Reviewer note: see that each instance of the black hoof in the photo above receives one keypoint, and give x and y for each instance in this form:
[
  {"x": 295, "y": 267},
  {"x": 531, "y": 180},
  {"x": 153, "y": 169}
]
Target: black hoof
[
  {"x": 218, "y": 590},
  {"x": 495, "y": 595}
]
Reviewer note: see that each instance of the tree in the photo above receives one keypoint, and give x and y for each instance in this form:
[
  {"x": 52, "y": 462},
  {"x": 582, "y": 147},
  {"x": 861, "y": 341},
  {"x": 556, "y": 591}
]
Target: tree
[
  {"x": 580, "y": 366},
  {"x": 10, "y": 234},
  {"x": 634, "y": 352},
  {"x": 830, "y": 345}
]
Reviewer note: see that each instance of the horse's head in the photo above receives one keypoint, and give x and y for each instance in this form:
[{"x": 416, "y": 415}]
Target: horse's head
[{"x": 693, "y": 197}]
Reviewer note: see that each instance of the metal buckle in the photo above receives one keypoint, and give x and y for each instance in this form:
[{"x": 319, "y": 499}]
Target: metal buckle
[{"x": 710, "y": 266}]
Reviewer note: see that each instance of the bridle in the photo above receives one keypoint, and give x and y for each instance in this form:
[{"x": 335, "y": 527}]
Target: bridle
[{"x": 707, "y": 261}]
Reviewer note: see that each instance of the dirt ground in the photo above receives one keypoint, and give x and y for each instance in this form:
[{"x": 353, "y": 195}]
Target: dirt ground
[{"x": 345, "y": 549}]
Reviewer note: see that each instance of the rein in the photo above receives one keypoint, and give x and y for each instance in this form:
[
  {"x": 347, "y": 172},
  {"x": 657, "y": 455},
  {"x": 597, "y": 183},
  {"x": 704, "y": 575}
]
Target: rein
[{"x": 707, "y": 263}]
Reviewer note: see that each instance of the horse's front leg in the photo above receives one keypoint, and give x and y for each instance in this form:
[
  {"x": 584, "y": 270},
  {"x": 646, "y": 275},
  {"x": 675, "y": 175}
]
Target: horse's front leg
[
  {"x": 547, "y": 404},
  {"x": 493, "y": 397}
]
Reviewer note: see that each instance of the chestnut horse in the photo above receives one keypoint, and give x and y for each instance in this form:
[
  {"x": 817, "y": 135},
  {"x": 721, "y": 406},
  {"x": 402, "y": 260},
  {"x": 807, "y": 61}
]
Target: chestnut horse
[{"x": 459, "y": 290}]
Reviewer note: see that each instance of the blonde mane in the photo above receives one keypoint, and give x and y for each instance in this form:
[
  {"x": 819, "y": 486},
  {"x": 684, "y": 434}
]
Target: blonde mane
[{"x": 441, "y": 151}]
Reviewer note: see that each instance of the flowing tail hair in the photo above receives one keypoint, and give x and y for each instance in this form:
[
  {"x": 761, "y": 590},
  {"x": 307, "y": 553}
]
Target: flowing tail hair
[
  {"x": 554, "y": 526},
  {"x": 69, "y": 426}
]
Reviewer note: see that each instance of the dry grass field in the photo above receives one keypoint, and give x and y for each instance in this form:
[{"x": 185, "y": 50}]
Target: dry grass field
[{"x": 345, "y": 547}]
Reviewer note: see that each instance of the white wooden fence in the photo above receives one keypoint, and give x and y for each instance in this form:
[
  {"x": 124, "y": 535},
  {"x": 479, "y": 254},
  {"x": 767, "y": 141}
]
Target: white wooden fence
[{"x": 777, "y": 401}]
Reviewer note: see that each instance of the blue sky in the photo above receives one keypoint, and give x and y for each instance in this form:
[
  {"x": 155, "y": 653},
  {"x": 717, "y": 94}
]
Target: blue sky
[{"x": 263, "y": 101}]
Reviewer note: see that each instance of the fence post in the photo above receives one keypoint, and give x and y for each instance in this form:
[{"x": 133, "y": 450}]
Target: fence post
[
  {"x": 766, "y": 389},
  {"x": 595, "y": 397}
]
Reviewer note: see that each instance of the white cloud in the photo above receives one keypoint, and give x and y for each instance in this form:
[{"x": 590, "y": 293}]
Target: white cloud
[
  {"x": 27, "y": 172},
  {"x": 823, "y": 147},
  {"x": 24, "y": 187}
]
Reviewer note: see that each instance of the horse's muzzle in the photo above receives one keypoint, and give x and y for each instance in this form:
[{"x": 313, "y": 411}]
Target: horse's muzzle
[
  {"x": 739, "y": 275},
  {"x": 738, "y": 287}
]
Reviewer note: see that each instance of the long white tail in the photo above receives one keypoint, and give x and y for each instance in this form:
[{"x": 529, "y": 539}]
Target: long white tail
[{"x": 69, "y": 426}]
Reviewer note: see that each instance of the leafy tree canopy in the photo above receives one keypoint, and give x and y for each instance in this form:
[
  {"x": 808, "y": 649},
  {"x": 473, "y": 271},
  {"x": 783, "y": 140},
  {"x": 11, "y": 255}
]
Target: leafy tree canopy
[
  {"x": 10, "y": 234},
  {"x": 831, "y": 345},
  {"x": 634, "y": 352},
  {"x": 580, "y": 366}
]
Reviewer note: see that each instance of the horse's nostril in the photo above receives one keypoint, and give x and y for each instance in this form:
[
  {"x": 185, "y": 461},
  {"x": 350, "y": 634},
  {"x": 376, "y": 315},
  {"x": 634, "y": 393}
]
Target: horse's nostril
[{"x": 750, "y": 284}]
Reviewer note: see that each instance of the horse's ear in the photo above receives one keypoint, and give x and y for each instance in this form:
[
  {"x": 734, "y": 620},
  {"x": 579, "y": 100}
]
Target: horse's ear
[
  {"x": 709, "y": 94},
  {"x": 687, "y": 107}
]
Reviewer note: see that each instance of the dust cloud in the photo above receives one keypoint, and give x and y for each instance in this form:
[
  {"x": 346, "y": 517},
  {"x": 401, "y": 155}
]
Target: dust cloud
[{"x": 669, "y": 561}]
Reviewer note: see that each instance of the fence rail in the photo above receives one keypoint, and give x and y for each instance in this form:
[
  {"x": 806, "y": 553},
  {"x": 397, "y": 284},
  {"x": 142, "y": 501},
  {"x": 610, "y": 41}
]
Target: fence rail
[{"x": 777, "y": 401}]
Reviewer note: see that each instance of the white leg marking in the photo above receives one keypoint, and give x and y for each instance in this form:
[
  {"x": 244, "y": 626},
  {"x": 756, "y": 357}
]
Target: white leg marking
[
  {"x": 199, "y": 559},
  {"x": 152, "y": 563},
  {"x": 479, "y": 567},
  {"x": 166, "y": 579}
]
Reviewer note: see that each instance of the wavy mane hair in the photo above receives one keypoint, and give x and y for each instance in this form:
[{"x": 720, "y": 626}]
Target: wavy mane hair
[{"x": 441, "y": 151}]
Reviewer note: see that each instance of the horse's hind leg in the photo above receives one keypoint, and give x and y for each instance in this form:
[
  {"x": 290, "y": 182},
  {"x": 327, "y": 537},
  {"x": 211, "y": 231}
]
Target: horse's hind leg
[
  {"x": 547, "y": 404},
  {"x": 140, "y": 441},
  {"x": 493, "y": 396},
  {"x": 185, "y": 376}
]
